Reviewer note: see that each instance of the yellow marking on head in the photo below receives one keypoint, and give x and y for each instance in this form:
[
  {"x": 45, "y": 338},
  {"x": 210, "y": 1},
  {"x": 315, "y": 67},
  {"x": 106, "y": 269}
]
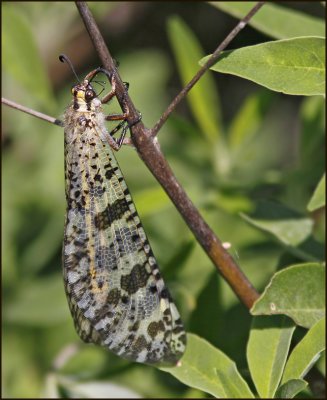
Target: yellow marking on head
[{"x": 80, "y": 94}]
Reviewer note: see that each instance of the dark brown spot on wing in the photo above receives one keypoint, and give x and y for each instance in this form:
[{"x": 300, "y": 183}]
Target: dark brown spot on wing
[
  {"x": 135, "y": 280},
  {"x": 113, "y": 212},
  {"x": 155, "y": 327}
]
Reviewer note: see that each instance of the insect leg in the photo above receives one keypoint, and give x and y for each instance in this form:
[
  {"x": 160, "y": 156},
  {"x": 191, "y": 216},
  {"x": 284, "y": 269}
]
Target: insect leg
[
  {"x": 112, "y": 92},
  {"x": 124, "y": 125},
  {"x": 108, "y": 96},
  {"x": 116, "y": 143},
  {"x": 116, "y": 117},
  {"x": 120, "y": 140}
]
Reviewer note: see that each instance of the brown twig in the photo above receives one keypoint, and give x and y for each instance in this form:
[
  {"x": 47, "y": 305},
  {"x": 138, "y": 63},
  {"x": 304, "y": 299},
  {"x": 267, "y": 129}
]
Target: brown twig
[
  {"x": 242, "y": 23},
  {"x": 32, "y": 112}
]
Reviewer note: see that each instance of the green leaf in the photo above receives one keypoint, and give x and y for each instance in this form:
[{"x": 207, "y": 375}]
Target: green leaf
[
  {"x": 274, "y": 20},
  {"x": 292, "y": 229},
  {"x": 207, "y": 368},
  {"x": 306, "y": 352},
  {"x": 203, "y": 98},
  {"x": 321, "y": 363},
  {"x": 21, "y": 58},
  {"x": 291, "y": 388},
  {"x": 297, "y": 291},
  {"x": 318, "y": 198},
  {"x": 291, "y": 66},
  {"x": 267, "y": 350},
  {"x": 288, "y": 226},
  {"x": 311, "y": 160}
]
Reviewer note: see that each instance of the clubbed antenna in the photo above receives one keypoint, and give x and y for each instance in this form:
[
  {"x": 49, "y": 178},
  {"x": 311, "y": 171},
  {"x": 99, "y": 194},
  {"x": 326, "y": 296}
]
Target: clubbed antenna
[{"x": 64, "y": 58}]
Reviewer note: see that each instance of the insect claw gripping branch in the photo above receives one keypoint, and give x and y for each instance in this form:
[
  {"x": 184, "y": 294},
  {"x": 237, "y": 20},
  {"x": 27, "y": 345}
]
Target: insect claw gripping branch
[{"x": 114, "y": 288}]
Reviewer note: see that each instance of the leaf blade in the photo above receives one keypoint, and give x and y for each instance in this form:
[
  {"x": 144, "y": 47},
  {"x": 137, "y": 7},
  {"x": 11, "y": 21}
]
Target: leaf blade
[
  {"x": 318, "y": 198},
  {"x": 203, "y": 99},
  {"x": 292, "y": 229},
  {"x": 296, "y": 291},
  {"x": 270, "y": 336},
  {"x": 306, "y": 352},
  {"x": 292, "y": 66},
  {"x": 291, "y": 388},
  {"x": 207, "y": 368},
  {"x": 274, "y": 20},
  {"x": 288, "y": 226}
]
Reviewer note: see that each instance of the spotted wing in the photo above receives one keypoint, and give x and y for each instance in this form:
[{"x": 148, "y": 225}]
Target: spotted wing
[{"x": 116, "y": 294}]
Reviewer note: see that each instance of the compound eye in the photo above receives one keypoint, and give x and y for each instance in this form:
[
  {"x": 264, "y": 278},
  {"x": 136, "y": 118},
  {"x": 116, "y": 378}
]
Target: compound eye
[{"x": 89, "y": 94}]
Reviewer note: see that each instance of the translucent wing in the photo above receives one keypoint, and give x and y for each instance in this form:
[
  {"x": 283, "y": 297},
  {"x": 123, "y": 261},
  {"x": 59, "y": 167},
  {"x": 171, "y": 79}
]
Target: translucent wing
[{"x": 115, "y": 291}]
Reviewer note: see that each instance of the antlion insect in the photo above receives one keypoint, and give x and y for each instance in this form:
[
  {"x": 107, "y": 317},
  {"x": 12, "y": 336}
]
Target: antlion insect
[{"x": 115, "y": 292}]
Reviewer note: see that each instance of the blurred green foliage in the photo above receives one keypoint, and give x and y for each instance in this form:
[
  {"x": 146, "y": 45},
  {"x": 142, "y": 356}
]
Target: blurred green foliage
[{"x": 269, "y": 148}]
